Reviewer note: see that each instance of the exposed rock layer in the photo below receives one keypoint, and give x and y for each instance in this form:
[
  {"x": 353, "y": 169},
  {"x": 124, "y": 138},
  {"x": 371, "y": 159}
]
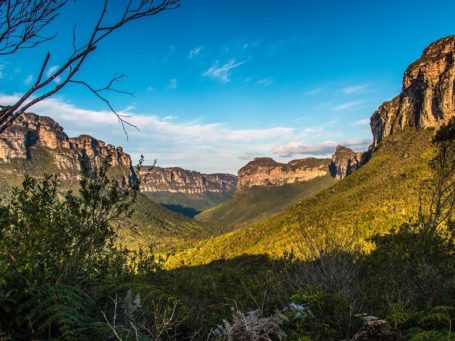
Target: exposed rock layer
[
  {"x": 345, "y": 161},
  {"x": 265, "y": 171},
  {"x": 427, "y": 98},
  {"x": 31, "y": 131},
  {"x": 178, "y": 180}
]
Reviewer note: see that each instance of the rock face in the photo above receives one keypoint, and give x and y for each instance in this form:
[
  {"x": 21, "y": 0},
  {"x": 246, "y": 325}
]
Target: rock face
[
  {"x": 31, "y": 132},
  {"x": 178, "y": 180},
  {"x": 265, "y": 171},
  {"x": 345, "y": 161},
  {"x": 427, "y": 98}
]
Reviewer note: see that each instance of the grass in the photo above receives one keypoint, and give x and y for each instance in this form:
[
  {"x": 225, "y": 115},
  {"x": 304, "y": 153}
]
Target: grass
[
  {"x": 261, "y": 202},
  {"x": 381, "y": 195}
]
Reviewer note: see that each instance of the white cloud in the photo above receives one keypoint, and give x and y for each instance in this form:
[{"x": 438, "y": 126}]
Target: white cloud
[
  {"x": 354, "y": 89},
  {"x": 313, "y": 91},
  {"x": 28, "y": 80},
  {"x": 194, "y": 52},
  {"x": 325, "y": 148},
  {"x": 265, "y": 82},
  {"x": 221, "y": 73},
  {"x": 202, "y": 146},
  {"x": 207, "y": 147},
  {"x": 150, "y": 88},
  {"x": 173, "y": 84},
  {"x": 360, "y": 123},
  {"x": 347, "y": 105}
]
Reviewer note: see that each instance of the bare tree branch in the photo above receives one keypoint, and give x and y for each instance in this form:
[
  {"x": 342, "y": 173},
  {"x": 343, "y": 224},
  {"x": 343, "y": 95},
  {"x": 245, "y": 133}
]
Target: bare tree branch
[
  {"x": 45, "y": 87},
  {"x": 21, "y": 22}
]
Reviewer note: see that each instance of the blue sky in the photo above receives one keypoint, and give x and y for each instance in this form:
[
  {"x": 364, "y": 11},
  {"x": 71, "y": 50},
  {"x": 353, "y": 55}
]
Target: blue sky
[{"x": 217, "y": 83}]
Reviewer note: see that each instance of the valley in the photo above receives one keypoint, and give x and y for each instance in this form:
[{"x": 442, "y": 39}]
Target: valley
[{"x": 284, "y": 203}]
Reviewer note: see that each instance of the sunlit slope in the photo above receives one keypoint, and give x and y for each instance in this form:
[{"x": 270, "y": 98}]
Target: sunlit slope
[
  {"x": 381, "y": 195},
  {"x": 262, "y": 202}
]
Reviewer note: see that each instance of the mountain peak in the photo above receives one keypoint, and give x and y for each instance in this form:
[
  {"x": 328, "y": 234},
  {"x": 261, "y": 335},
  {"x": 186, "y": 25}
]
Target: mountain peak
[{"x": 427, "y": 95}]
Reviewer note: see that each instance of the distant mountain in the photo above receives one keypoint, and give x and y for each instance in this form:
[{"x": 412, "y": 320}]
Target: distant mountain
[
  {"x": 382, "y": 194},
  {"x": 184, "y": 191},
  {"x": 266, "y": 187}
]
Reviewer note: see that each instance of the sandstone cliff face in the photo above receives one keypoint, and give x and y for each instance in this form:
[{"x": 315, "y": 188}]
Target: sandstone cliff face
[
  {"x": 31, "y": 131},
  {"x": 267, "y": 172},
  {"x": 427, "y": 98},
  {"x": 178, "y": 180},
  {"x": 345, "y": 161}
]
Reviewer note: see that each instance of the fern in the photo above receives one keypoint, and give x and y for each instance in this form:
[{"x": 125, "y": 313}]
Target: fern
[{"x": 59, "y": 310}]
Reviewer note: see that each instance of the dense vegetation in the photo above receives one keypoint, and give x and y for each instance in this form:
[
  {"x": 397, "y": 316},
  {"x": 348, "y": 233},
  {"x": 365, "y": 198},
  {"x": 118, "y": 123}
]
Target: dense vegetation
[
  {"x": 382, "y": 194},
  {"x": 63, "y": 277},
  {"x": 261, "y": 202},
  {"x": 189, "y": 204}
]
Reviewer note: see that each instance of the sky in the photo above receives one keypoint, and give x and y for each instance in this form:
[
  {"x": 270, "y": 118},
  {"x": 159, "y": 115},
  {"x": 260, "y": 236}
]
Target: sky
[{"x": 218, "y": 83}]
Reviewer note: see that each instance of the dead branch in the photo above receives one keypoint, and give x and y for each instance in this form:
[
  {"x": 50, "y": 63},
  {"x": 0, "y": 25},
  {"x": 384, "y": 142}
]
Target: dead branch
[{"x": 46, "y": 86}]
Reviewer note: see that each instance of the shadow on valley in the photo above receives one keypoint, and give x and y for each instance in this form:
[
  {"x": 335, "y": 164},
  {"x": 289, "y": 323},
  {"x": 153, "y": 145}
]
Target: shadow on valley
[{"x": 190, "y": 212}]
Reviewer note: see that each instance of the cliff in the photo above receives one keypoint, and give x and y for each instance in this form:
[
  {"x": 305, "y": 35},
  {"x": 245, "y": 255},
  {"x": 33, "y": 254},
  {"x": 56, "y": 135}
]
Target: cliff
[
  {"x": 427, "y": 98},
  {"x": 345, "y": 161},
  {"x": 31, "y": 133},
  {"x": 267, "y": 172},
  {"x": 178, "y": 180}
]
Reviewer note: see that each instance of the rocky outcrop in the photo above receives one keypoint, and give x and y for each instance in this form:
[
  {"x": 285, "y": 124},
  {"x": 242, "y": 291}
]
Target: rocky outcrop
[
  {"x": 345, "y": 161},
  {"x": 31, "y": 132},
  {"x": 265, "y": 171},
  {"x": 427, "y": 98},
  {"x": 178, "y": 180}
]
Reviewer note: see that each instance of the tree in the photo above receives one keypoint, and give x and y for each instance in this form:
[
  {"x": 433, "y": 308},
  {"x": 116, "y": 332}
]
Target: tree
[{"x": 21, "y": 25}]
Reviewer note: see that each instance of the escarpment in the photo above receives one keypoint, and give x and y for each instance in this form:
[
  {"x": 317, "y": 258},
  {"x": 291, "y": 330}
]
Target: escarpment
[
  {"x": 32, "y": 134},
  {"x": 178, "y": 180},
  {"x": 427, "y": 98}
]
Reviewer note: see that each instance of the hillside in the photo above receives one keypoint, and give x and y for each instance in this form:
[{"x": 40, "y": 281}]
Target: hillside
[
  {"x": 37, "y": 145},
  {"x": 377, "y": 197},
  {"x": 260, "y": 202},
  {"x": 184, "y": 191}
]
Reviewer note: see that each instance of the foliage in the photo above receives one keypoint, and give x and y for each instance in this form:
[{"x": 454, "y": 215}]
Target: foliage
[
  {"x": 55, "y": 246},
  {"x": 189, "y": 204},
  {"x": 384, "y": 193},
  {"x": 261, "y": 202}
]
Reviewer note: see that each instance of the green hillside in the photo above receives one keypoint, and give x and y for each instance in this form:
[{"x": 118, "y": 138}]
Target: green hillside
[
  {"x": 189, "y": 204},
  {"x": 262, "y": 202},
  {"x": 150, "y": 223},
  {"x": 381, "y": 195}
]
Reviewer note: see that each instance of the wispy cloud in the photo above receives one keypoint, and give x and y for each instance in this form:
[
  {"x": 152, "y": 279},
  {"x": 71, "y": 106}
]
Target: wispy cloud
[
  {"x": 28, "y": 80},
  {"x": 51, "y": 71},
  {"x": 221, "y": 73},
  {"x": 320, "y": 149},
  {"x": 354, "y": 89},
  {"x": 173, "y": 84},
  {"x": 360, "y": 123},
  {"x": 170, "y": 52},
  {"x": 194, "y": 52},
  {"x": 348, "y": 105},
  {"x": 2, "y": 70},
  {"x": 313, "y": 91},
  {"x": 265, "y": 82},
  {"x": 208, "y": 147}
]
